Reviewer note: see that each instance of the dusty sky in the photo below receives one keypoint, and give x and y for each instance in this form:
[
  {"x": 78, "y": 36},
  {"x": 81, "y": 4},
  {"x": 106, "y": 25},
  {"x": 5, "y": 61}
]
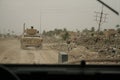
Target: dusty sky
[{"x": 70, "y": 14}]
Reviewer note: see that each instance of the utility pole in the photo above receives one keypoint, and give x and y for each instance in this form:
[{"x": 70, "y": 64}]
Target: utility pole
[
  {"x": 100, "y": 18},
  {"x": 107, "y": 6}
]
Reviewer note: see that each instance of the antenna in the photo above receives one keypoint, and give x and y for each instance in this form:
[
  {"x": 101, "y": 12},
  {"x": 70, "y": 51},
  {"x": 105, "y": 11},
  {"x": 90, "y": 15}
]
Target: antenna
[
  {"x": 40, "y": 21},
  {"x": 23, "y": 28}
]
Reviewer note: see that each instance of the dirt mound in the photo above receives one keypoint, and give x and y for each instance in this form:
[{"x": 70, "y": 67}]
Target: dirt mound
[
  {"x": 60, "y": 47},
  {"x": 82, "y": 53}
]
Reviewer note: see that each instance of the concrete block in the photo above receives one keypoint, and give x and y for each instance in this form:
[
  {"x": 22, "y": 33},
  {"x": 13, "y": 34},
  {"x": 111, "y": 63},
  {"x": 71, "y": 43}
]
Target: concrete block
[{"x": 62, "y": 57}]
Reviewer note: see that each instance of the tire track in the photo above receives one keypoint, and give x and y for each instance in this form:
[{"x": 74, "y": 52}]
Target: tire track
[
  {"x": 26, "y": 57},
  {"x": 11, "y": 52}
]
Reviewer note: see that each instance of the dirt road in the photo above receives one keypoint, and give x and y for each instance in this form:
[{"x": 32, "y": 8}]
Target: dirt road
[{"x": 11, "y": 52}]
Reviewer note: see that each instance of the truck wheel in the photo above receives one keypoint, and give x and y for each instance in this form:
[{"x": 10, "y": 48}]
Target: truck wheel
[
  {"x": 39, "y": 47},
  {"x": 23, "y": 46}
]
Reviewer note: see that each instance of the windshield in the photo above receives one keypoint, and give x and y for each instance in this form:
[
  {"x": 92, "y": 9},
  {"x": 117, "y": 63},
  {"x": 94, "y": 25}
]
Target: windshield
[{"x": 59, "y": 31}]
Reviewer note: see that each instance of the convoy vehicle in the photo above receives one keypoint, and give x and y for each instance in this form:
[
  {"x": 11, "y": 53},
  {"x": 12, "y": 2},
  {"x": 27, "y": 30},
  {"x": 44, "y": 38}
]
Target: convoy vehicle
[{"x": 31, "y": 38}]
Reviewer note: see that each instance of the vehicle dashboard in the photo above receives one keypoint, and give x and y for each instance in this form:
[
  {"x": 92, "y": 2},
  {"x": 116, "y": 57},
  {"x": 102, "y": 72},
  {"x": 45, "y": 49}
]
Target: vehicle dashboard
[{"x": 63, "y": 72}]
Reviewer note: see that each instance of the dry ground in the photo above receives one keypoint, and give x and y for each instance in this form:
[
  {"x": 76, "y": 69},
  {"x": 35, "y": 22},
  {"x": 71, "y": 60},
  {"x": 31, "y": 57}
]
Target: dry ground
[{"x": 11, "y": 52}]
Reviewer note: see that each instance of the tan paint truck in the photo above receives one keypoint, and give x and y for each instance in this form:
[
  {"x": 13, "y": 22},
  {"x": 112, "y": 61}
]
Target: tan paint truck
[{"x": 31, "y": 38}]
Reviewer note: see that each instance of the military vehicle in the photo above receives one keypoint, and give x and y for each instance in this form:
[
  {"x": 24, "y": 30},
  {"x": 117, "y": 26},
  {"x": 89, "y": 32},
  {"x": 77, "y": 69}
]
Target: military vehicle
[{"x": 31, "y": 38}]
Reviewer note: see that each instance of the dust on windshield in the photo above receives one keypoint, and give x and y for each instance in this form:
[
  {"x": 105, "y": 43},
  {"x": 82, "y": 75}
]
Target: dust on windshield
[{"x": 59, "y": 32}]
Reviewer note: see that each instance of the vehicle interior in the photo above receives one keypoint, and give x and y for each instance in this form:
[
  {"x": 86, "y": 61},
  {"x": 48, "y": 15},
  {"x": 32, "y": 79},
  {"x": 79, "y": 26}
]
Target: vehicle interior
[
  {"x": 59, "y": 40},
  {"x": 47, "y": 72}
]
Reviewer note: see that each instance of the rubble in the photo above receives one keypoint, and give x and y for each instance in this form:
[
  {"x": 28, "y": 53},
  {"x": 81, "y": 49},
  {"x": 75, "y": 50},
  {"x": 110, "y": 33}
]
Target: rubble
[
  {"x": 89, "y": 47},
  {"x": 100, "y": 45},
  {"x": 82, "y": 53}
]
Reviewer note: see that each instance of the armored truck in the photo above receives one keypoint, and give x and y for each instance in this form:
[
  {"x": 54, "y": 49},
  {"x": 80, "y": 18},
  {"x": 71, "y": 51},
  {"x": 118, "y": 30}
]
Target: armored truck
[{"x": 31, "y": 38}]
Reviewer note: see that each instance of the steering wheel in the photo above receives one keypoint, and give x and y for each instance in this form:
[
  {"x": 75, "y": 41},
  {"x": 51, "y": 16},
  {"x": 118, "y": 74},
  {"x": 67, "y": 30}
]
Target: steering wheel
[{"x": 6, "y": 74}]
